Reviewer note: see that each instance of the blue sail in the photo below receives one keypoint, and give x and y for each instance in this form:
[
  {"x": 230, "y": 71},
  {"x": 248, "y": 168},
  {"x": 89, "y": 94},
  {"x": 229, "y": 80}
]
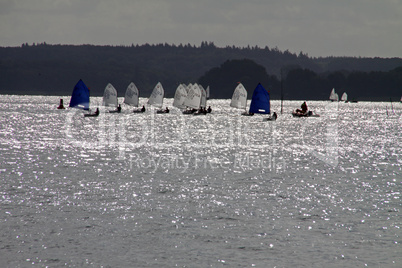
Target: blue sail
[
  {"x": 80, "y": 96},
  {"x": 260, "y": 102}
]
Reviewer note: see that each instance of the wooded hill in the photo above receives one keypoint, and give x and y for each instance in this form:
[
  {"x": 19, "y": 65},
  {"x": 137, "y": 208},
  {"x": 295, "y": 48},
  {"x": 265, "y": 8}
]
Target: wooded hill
[{"x": 54, "y": 69}]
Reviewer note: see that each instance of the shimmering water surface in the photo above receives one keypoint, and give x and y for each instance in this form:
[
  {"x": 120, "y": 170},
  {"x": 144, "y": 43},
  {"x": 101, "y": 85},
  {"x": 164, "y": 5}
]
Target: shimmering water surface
[{"x": 166, "y": 190}]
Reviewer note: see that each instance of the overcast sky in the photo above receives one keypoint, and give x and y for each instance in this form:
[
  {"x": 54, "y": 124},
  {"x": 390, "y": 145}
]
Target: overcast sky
[{"x": 367, "y": 28}]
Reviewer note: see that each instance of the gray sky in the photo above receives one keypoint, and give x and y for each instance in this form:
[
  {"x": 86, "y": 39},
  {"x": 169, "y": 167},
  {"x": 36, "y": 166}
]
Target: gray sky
[{"x": 367, "y": 28}]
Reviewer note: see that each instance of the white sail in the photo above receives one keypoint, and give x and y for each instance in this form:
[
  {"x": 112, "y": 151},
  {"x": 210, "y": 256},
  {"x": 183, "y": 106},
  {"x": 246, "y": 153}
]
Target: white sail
[
  {"x": 188, "y": 87},
  {"x": 344, "y": 97},
  {"x": 334, "y": 96},
  {"x": 207, "y": 90},
  {"x": 193, "y": 98},
  {"x": 131, "y": 96},
  {"x": 156, "y": 98},
  {"x": 180, "y": 97},
  {"x": 110, "y": 96},
  {"x": 239, "y": 98},
  {"x": 203, "y": 101}
]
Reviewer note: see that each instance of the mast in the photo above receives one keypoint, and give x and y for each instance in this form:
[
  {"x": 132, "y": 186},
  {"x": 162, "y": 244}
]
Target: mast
[{"x": 281, "y": 92}]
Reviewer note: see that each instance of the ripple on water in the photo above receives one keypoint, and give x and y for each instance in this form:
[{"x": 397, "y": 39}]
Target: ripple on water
[{"x": 221, "y": 189}]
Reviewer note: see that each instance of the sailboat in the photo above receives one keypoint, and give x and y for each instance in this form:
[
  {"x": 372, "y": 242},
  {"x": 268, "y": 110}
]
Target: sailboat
[
  {"x": 80, "y": 96},
  {"x": 132, "y": 95},
  {"x": 260, "y": 102},
  {"x": 344, "y": 97},
  {"x": 110, "y": 98},
  {"x": 180, "y": 96},
  {"x": 239, "y": 98},
  {"x": 193, "y": 99},
  {"x": 333, "y": 96},
  {"x": 156, "y": 98},
  {"x": 203, "y": 101}
]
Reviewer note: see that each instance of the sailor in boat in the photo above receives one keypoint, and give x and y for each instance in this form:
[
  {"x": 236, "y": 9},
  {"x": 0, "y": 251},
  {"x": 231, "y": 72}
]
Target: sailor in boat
[
  {"x": 118, "y": 110},
  {"x": 94, "y": 114},
  {"x": 142, "y": 110},
  {"x": 61, "y": 106},
  {"x": 273, "y": 117},
  {"x": 167, "y": 110},
  {"x": 209, "y": 110},
  {"x": 303, "y": 109}
]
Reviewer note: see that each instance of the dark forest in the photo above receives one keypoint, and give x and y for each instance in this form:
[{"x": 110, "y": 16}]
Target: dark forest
[{"x": 42, "y": 69}]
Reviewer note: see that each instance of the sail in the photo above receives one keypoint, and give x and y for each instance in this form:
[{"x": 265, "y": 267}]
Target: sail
[
  {"x": 334, "y": 96},
  {"x": 131, "y": 96},
  {"x": 203, "y": 101},
  {"x": 188, "y": 87},
  {"x": 344, "y": 97},
  {"x": 156, "y": 98},
  {"x": 207, "y": 91},
  {"x": 239, "y": 97},
  {"x": 80, "y": 96},
  {"x": 110, "y": 96},
  {"x": 260, "y": 103},
  {"x": 193, "y": 98},
  {"x": 180, "y": 97}
]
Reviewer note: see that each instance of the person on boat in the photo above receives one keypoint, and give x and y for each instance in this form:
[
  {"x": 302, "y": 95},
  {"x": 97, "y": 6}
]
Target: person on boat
[
  {"x": 209, "y": 109},
  {"x": 303, "y": 109},
  {"x": 61, "y": 106},
  {"x": 167, "y": 110},
  {"x": 119, "y": 108},
  {"x": 274, "y": 116},
  {"x": 97, "y": 112},
  {"x": 143, "y": 108}
]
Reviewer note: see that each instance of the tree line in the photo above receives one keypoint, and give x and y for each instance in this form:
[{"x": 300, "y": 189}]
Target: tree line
[
  {"x": 54, "y": 69},
  {"x": 304, "y": 84}
]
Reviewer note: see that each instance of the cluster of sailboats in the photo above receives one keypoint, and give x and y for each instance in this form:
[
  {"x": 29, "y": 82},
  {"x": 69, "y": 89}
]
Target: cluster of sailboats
[
  {"x": 190, "y": 99},
  {"x": 333, "y": 96}
]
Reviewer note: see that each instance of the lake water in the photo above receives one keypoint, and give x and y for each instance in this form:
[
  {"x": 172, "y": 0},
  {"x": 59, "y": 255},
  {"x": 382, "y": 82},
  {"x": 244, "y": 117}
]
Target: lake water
[{"x": 221, "y": 190}]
